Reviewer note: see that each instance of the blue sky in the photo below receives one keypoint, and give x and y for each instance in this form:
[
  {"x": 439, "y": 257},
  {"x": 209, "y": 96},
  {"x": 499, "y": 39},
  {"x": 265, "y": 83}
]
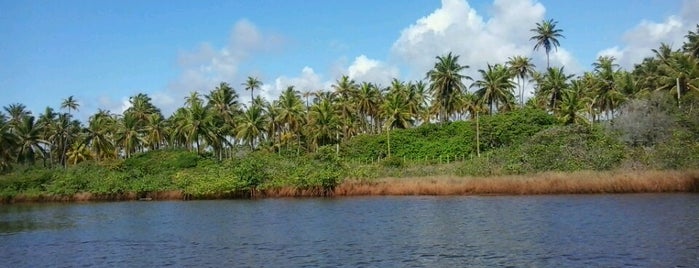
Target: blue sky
[{"x": 102, "y": 52}]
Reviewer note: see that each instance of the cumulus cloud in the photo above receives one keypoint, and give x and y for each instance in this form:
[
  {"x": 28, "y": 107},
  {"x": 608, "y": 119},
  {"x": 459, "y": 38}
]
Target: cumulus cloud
[
  {"x": 647, "y": 35},
  {"x": 206, "y": 66},
  {"x": 364, "y": 69},
  {"x": 457, "y": 27},
  {"x": 307, "y": 81}
]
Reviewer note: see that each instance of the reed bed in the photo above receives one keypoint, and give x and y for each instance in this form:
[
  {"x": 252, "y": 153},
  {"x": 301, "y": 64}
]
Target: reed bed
[{"x": 584, "y": 182}]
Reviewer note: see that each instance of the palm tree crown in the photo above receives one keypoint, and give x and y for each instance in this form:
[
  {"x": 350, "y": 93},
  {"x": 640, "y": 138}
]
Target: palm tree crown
[{"x": 546, "y": 36}]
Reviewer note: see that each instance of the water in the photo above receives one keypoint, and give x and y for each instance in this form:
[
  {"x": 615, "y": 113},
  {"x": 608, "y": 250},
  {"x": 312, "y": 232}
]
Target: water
[{"x": 647, "y": 230}]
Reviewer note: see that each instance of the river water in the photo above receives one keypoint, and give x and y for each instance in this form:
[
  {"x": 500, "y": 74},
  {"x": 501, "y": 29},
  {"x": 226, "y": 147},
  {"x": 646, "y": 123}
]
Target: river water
[{"x": 647, "y": 230}]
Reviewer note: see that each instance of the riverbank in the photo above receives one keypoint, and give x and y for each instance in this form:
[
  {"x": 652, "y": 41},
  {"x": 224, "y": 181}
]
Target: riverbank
[{"x": 582, "y": 182}]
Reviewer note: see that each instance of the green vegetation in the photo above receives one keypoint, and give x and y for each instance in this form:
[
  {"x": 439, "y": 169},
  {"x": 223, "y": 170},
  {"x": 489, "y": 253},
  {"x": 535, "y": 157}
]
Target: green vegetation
[{"x": 213, "y": 146}]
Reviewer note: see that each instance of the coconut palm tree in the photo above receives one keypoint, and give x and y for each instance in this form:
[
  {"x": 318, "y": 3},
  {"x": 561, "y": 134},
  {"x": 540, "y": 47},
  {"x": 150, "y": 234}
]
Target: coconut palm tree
[
  {"x": 29, "y": 141},
  {"x": 446, "y": 85},
  {"x": 291, "y": 113},
  {"x": 546, "y": 36},
  {"x": 553, "y": 83},
  {"x": 251, "y": 84},
  {"x": 197, "y": 122},
  {"x": 573, "y": 104},
  {"x": 607, "y": 94},
  {"x": 397, "y": 114},
  {"x": 99, "y": 135},
  {"x": 129, "y": 135},
  {"x": 522, "y": 67},
  {"x": 367, "y": 103},
  {"x": 251, "y": 125},
  {"x": 223, "y": 103},
  {"x": 495, "y": 87},
  {"x": 324, "y": 124},
  {"x": 8, "y": 144},
  {"x": 17, "y": 112},
  {"x": 678, "y": 74},
  {"x": 78, "y": 152},
  {"x": 691, "y": 46},
  {"x": 70, "y": 104}
]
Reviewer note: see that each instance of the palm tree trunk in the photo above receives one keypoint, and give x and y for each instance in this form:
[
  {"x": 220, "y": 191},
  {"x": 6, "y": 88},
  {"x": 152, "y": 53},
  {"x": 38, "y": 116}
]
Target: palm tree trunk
[{"x": 478, "y": 142}]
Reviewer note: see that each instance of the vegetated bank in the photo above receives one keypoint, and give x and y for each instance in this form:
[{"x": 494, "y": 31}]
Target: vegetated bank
[{"x": 522, "y": 152}]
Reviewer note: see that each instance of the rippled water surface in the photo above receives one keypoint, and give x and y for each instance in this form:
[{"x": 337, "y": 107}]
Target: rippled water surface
[{"x": 647, "y": 230}]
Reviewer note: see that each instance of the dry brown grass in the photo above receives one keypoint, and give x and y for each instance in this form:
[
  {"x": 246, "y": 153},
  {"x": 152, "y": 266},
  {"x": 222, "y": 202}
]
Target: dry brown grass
[{"x": 586, "y": 182}]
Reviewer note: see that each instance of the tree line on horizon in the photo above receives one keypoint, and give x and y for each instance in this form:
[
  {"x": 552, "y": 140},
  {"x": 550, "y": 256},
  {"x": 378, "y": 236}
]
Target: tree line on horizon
[{"x": 218, "y": 121}]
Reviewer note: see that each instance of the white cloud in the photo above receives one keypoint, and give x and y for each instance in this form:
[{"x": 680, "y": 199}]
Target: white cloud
[
  {"x": 205, "y": 67},
  {"x": 457, "y": 27},
  {"x": 647, "y": 35},
  {"x": 364, "y": 69},
  {"x": 308, "y": 80}
]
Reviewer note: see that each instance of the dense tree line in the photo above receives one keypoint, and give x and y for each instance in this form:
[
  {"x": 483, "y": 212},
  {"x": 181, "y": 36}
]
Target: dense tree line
[{"x": 301, "y": 121}]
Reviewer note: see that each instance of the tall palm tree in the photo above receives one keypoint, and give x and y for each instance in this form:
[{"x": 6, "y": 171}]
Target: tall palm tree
[
  {"x": 223, "y": 103},
  {"x": 251, "y": 84},
  {"x": 397, "y": 114},
  {"x": 291, "y": 113},
  {"x": 367, "y": 100},
  {"x": 546, "y": 36},
  {"x": 522, "y": 67},
  {"x": 70, "y": 104},
  {"x": 495, "y": 87},
  {"x": 446, "y": 84}
]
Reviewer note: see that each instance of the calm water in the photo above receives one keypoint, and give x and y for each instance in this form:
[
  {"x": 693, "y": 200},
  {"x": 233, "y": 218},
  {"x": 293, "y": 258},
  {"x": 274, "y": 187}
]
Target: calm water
[{"x": 540, "y": 231}]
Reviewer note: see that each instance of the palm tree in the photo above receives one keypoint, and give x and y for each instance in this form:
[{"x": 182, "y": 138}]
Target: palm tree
[
  {"x": 324, "y": 123},
  {"x": 495, "y": 86},
  {"x": 29, "y": 140},
  {"x": 573, "y": 104},
  {"x": 367, "y": 100},
  {"x": 8, "y": 144},
  {"x": 291, "y": 112},
  {"x": 446, "y": 84},
  {"x": 78, "y": 152},
  {"x": 70, "y": 103},
  {"x": 141, "y": 108},
  {"x": 553, "y": 83},
  {"x": 197, "y": 122},
  {"x": 396, "y": 112},
  {"x": 546, "y": 36},
  {"x": 251, "y": 125},
  {"x": 129, "y": 136},
  {"x": 17, "y": 113},
  {"x": 99, "y": 135},
  {"x": 522, "y": 67},
  {"x": 692, "y": 44},
  {"x": 223, "y": 103},
  {"x": 607, "y": 95},
  {"x": 251, "y": 84},
  {"x": 678, "y": 72}
]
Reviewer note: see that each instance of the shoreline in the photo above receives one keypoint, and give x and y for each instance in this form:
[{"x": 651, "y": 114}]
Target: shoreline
[{"x": 547, "y": 183}]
